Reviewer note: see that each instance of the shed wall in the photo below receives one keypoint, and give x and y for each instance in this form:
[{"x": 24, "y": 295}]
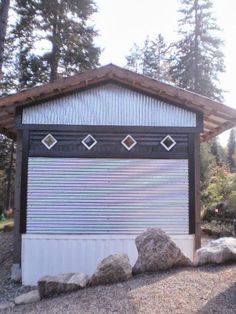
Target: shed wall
[{"x": 109, "y": 105}]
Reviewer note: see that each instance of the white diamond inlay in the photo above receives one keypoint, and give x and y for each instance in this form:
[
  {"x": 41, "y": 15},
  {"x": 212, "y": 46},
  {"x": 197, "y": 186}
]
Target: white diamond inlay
[
  {"x": 168, "y": 142},
  {"x": 89, "y": 141},
  {"x": 128, "y": 142},
  {"x": 49, "y": 141}
]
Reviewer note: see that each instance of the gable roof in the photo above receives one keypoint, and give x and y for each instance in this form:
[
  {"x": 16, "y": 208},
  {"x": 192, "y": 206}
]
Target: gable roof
[{"x": 217, "y": 117}]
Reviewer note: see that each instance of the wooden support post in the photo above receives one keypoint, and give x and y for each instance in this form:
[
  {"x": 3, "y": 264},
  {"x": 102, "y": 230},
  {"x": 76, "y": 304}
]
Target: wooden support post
[
  {"x": 197, "y": 192},
  {"x": 17, "y": 235}
]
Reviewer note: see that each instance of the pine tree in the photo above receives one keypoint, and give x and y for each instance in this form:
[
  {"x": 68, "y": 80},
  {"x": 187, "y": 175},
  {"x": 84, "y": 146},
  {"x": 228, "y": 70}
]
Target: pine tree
[
  {"x": 151, "y": 59},
  {"x": 69, "y": 34},
  {"x": 199, "y": 60},
  {"x": 196, "y": 67},
  {"x": 218, "y": 152},
  {"x": 28, "y": 66},
  {"x": 231, "y": 150},
  {"x": 7, "y": 172},
  {"x": 4, "y": 8},
  {"x": 50, "y": 39},
  {"x": 135, "y": 59}
]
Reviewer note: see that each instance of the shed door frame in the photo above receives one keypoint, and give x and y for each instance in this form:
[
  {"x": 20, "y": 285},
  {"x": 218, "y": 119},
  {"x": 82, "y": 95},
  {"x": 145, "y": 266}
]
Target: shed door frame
[{"x": 193, "y": 153}]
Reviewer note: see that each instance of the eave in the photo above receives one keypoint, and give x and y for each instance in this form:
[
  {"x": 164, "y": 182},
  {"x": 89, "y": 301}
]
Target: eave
[{"x": 217, "y": 116}]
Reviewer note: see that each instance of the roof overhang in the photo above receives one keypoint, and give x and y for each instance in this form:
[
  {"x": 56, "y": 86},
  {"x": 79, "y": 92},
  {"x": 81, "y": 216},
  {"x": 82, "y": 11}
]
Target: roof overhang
[{"x": 217, "y": 117}]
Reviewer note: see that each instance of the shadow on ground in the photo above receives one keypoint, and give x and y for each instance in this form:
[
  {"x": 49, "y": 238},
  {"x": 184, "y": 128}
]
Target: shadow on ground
[{"x": 224, "y": 302}]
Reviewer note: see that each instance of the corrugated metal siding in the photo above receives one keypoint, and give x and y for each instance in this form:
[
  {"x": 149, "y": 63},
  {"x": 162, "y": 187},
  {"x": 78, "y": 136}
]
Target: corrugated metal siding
[
  {"x": 109, "y": 105},
  {"x": 100, "y": 196}
]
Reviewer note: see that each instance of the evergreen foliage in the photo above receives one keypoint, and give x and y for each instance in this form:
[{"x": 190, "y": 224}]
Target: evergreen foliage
[
  {"x": 49, "y": 40},
  {"x": 199, "y": 59},
  {"x": 208, "y": 163},
  {"x": 7, "y": 172},
  {"x": 218, "y": 152},
  {"x": 151, "y": 59},
  {"x": 231, "y": 153},
  {"x": 4, "y": 8}
]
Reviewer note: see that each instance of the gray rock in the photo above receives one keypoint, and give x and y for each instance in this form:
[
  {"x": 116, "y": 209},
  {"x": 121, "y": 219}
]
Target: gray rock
[
  {"x": 217, "y": 252},
  {"x": 53, "y": 285},
  {"x": 29, "y": 297},
  {"x": 16, "y": 273},
  {"x": 6, "y": 305},
  {"x": 79, "y": 279},
  {"x": 112, "y": 269},
  {"x": 156, "y": 251}
]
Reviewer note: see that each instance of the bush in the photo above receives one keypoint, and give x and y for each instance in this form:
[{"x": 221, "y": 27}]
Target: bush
[
  {"x": 232, "y": 205},
  {"x": 220, "y": 186},
  {"x": 222, "y": 212}
]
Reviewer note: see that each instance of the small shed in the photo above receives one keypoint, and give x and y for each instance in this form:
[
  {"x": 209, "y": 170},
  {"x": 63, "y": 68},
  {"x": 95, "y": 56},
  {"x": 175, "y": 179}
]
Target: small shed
[{"x": 101, "y": 156}]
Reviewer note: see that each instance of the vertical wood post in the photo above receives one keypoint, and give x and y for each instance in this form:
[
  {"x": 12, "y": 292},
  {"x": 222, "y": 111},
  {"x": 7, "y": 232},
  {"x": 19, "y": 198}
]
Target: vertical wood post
[
  {"x": 197, "y": 192},
  {"x": 17, "y": 235}
]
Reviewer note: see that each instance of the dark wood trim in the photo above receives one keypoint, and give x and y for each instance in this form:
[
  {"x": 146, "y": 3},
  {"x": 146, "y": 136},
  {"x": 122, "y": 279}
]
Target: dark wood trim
[
  {"x": 18, "y": 119},
  {"x": 106, "y": 128},
  {"x": 192, "y": 187},
  {"x": 24, "y": 181},
  {"x": 200, "y": 123},
  {"x": 197, "y": 191},
  {"x": 108, "y": 145},
  {"x": 17, "y": 208},
  {"x": 127, "y": 155}
]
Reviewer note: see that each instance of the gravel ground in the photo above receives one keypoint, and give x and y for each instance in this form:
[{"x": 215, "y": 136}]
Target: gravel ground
[
  {"x": 203, "y": 290},
  {"x": 8, "y": 289}
]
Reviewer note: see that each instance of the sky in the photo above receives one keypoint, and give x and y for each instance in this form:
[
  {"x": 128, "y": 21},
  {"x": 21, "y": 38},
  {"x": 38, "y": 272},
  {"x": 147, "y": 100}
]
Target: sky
[{"x": 121, "y": 23}]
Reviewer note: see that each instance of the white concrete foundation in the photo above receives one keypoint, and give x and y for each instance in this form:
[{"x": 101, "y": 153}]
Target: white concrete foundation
[{"x": 56, "y": 254}]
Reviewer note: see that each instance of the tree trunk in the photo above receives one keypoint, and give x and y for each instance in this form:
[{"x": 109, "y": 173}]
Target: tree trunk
[
  {"x": 4, "y": 8},
  {"x": 196, "y": 53},
  {"x": 55, "y": 49}
]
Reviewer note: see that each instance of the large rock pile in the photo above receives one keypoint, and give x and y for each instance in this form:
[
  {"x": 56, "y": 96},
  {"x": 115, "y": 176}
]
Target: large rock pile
[{"x": 156, "y": 251}]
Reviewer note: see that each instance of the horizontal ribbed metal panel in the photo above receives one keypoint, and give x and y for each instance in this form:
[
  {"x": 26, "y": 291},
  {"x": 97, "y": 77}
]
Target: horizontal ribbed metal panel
[
  {"x": 100, "y": 196},
  {"x": 109, "y": 105}
]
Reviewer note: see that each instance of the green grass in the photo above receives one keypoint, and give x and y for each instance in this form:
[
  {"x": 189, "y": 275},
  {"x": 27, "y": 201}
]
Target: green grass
[{"x": 6, "y": 222}]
